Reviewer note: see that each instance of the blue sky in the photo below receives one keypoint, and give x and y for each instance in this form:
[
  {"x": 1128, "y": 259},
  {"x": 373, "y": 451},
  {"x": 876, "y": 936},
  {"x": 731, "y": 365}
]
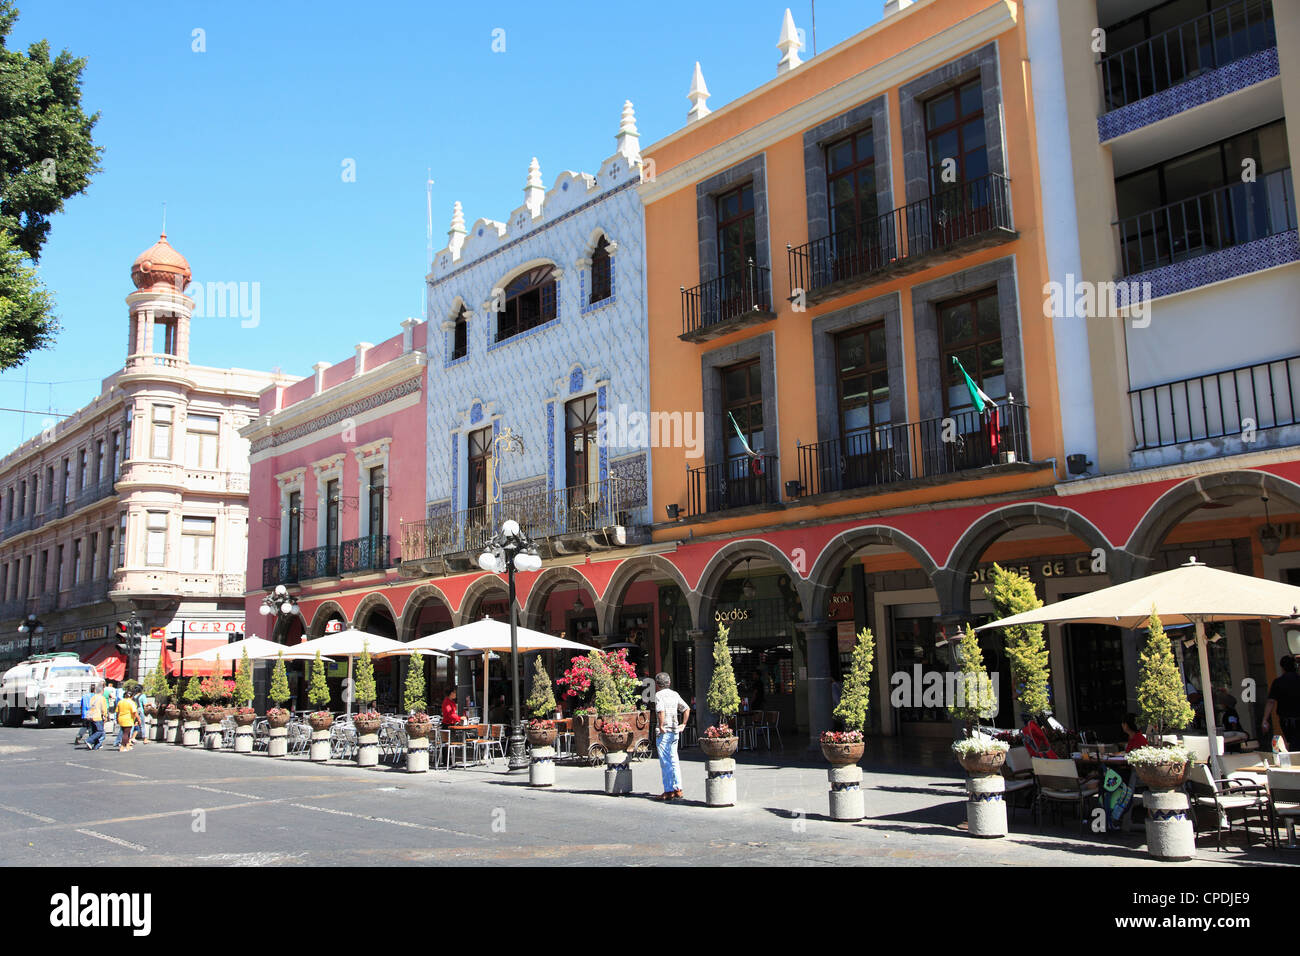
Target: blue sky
[{"x": 245, "y": 142}]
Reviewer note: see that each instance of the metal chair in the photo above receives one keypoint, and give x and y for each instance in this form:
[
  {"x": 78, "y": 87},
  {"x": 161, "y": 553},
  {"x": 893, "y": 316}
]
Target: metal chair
[
  {"x": 488, "y": 747},
  {"x": 774, "y": 727},
  {"x": 1059, "y": 782},
  {"x": 450, "y": 745},
  {"x": 228, "y": 732},
  {"x": 1218, "y": 804},
  {"x": 1018, "y": 771},
  {"x": 1284, "y": 802},
  {"x": 758, "y": 725},
  {"x": 261, "y": 734}
]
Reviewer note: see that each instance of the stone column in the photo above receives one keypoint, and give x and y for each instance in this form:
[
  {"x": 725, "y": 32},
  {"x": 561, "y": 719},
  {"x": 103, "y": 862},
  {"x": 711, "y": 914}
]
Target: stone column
[
  {"x": 417, "y": 754},
  {"x": 1169, "y": 825},
  {"x": 618, "y": 773},
  {"x": 817, "y": 635},
  {"x": 541, "y": 768},
  {"x": 243, "y": 739},
  {"x": 986, "y": 808},
  {"x": 320, "y": 746},
  {"x": 720, "y": 782},
  {"x": 277, "y": 745},
  {"x": 848, "y": 803},
  {"x": 367, "y": 750},
  {"x": 703, "y": 674}
]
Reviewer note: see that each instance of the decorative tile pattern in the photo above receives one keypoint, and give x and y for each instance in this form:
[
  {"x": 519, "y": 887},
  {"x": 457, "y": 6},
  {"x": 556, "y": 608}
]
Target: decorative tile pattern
[
  {"x": 455, "y": 468},
  {"x": 1217, "y": 266},
  {"x": 550, "y": 446},
  {"x": 575, "y": 380},
  {"x": 601, "y": 412},
  {"x": 1210, "y": 85},
  {"x": 332, "y": 418},
  {"x": 475, "y": 413}
]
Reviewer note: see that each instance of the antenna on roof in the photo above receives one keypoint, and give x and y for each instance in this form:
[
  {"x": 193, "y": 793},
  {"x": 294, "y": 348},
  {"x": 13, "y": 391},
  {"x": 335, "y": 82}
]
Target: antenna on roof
[
  {"x": 813, "y": 5},
  {"x": 428, "y": 203},
  {"x": 164, "y": 228}
]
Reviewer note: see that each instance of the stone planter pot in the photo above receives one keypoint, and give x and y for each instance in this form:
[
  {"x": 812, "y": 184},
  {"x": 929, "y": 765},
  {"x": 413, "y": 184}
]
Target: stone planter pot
[
  {"x": 212, "y": 736},
  {"x": 367, "y": 748},
  {"x": 169, "y": 730},
  {"x": 277, "y": 743},
  {"x": 419, "y": 729},
  {"x": 540, "y": 736},
  {"x": 321, "y": 723},
  {"x": 366, "y": 726},
  {"x": 983, "y": 764},
  {"x": 986, "y": 807},
  {"x": 718, "y": 748},
  {"x": 192, "y": 730},
  {"x": 417, "y": 754},
  {"x": 842, "y": 755},
  {"x": 848, "y": 803},
  {"x": 245, "y": 720},
  {"x": 1164, "y": 776},
  {"x": 279, "y": 720},
  {"x": 615, "y": 743},
  {"x": 1169, "y": 831},
  {"x": 319, "y": 751}
]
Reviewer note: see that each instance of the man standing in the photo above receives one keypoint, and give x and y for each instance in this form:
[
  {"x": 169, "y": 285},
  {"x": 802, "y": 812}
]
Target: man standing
[
  {"x": 1284, "y": 705},
  {"x": 672, "y": 716},
  {"x": 126, "y": 723},
  {"x": 98, "y": 714},
  {"x": 86, "y": 726}
]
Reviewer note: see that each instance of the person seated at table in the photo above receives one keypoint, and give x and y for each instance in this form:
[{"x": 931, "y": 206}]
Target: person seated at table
[
  {"x": 1135, "y": 739},
  {"x": 499, "y": 713},
  {"x": 450, "y": 716}
]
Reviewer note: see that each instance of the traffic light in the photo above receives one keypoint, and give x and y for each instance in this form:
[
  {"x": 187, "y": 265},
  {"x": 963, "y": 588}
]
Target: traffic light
[
  {"x": 171, "y": 643},
  {"x": 123, "y": 637}
]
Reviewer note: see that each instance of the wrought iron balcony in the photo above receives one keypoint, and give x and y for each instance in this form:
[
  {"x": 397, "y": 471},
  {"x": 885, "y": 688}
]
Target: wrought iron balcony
[
  {"x": 1217, "y": 405},
  {"x": 90, "y": 494},
  {"x": 738, "y": 482},
  {"x": 322, "y": 562},
  {"x": 933, "y": 447},
  {"x": 1185, "y": 51},
  {"x": 364, "y": 554},
  {"x": 727, "y": 303},
  {"x": 88, "y": 592},
  {"x": 282, "y": 569},
  {"x": 1219, "y": 219},
  {"x": 586, "y": 517},
  {"x": 968, "y": 216}
]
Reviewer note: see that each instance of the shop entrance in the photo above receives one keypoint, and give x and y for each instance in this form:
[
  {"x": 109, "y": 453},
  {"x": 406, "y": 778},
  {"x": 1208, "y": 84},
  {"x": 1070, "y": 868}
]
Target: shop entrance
[{"x": 1098, "y": 691}]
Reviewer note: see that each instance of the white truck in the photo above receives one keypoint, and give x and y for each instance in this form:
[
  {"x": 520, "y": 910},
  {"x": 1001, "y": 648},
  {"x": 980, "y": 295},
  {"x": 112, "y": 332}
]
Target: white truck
[{"x": 47, "y": 686}]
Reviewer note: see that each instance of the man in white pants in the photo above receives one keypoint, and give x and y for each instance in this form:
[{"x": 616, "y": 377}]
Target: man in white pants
[{"x": 673, "y": 715}]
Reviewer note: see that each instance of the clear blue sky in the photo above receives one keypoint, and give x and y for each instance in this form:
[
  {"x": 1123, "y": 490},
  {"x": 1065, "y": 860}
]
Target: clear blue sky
[{"x": 245, "y": 143}]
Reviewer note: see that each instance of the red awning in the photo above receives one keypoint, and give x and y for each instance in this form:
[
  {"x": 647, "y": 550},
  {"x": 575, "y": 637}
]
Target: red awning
[
  {"x": 195, "y": 644},
  {"x": 108, "y": 660}
]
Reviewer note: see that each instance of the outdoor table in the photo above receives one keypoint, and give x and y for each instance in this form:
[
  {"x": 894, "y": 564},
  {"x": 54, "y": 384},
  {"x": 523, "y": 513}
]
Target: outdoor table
[{"x": 478, "y": 730}]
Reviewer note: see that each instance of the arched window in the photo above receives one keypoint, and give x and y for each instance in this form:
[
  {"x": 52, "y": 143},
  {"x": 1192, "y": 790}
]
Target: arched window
[
  {"x": 530, "y": 301},
  {"x": 601, "y": 272},
  {"x": 460, "y": 336}
]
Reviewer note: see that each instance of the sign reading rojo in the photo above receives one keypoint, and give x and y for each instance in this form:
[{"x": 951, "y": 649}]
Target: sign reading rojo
[
  {"x": 213, "y": 627},
  {"x": 841, "y": 607}
]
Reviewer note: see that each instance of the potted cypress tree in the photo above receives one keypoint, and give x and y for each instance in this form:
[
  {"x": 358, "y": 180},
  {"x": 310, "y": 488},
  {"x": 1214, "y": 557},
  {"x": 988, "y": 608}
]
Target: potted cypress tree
[
  {"x": 277, "y": 717},
  {"x": 192, "y": 712},
  {"x": 843, "y": 748},
  {"x": 369, "y": 720},
  {"x": 1026, "y": 650},
  {"x": 158, "y": 690},
  {"x": 1162, "y": 707},
  {"x": 974, "y": 699},
  {"x": 418, "y": 724},
  {"x": 244, "y": 712},
  {"x": 321, "y": 720},
  {"x": 719, "y": 742},
  {"x": 541, "y": 704},
  {"x": 615, "y": 733}
]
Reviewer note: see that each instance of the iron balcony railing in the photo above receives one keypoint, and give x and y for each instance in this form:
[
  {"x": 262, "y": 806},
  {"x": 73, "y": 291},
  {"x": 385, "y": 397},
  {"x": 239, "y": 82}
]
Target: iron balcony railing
[
  {"x": 88, "y": 592},
  {"x": 92, "y": 493},
  {"x": 734, "y": 483},
  {"x": 322, "y": 562},
  {"x": 726, "y": 298},
  {"x": 1217, "y": 404},
  {"x": 936, "y": 446},
  {"x": 1218, "y": 219},
  {"x": 282, "y": 569},
  {"x": 21, "y": 523},
  {"x": 1185, "y": 51},
  {"x": 965, "y": 211},
  {"x": 364, "y": 554},
  {"x": 580, "y": 510}
]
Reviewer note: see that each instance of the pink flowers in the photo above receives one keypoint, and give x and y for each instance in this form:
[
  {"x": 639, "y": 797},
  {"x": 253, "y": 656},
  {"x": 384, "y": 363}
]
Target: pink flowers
[
  {"x": 719, "y": 732},
  {"x": 536, "y": 724},
  {"x": 842, "y": 737},
  {"x": 612, "y": 727}
]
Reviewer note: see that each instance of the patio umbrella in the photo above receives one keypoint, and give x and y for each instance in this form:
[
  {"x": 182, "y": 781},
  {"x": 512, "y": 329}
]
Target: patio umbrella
[
  {"x": 1192, "y": 593},
  {"x": 492, "y": 635},
  {"x": 258, "y": 649},
  {"x": 350, "y": 643}
]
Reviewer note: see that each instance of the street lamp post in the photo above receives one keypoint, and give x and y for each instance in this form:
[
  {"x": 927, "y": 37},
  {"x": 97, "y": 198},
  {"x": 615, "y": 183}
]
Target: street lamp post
[
  {"x": 507, "y": 552},
  {"x": 32, "y": 628},
  {"x": 279, "y": 603}
]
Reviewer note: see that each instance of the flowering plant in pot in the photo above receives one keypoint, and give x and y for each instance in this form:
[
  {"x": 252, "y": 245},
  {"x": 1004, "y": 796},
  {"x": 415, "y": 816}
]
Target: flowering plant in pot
[
  {"x": 367, "y": 721},
  {"x": 719, "y": 740},
  {"x": 318, "y": 693},
  {"x": 243, "y": 692},
  {"x": 980, "y": 754},
  {"x": 1160, "y": 768},
  {"x": 1162, "y": 707},
  {"x": 615, "y": 734},
  {"x": 845, "y": 747},
  {"x": 279, "y": 695},
  {"x": 541, "y": 704}
]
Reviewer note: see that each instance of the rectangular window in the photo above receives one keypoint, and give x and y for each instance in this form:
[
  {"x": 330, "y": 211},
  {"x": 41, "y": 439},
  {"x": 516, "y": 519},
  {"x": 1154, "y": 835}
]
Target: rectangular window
[
  {"x": 49, "y": 486},
  {"x": 161, "y": 446},
  {"x": 127, "y": 451},
  {"x": 460, "y": 337},
  {"x": 862, "y": 368},
  {"x": 117, "y": 455},
  {"x": 602, "y": 272},
  {"x": 76, "y": 562},
  {"x": 83, "y": 469},
  {"x": 198, "y": 537},
  {"x": 67, "y": 480},
  {"x": 971, "y": 332},
  {"x": 156, "y": 539},
  {"x": 201, "y": 432},
  {"x": 737, "y": 236},
  {"x": 582, "y": 458},
  {"x": 332, "y": 514},
  {"x": 121, "y": 540},
  {"x": 45, "y": 570},
  {"x": 480, "y": 465},
  {"x": 99, "y": 462},
  {"x": 742, "y": 408},
  {"x": 295, "y": 522},
  {"x": 9, "y": 507},
  {"x": 955, "y": 137},
  {"x": 109, "y": 556},
  {"x": 58, "y": 569},
  {"x": 92, "y": 557},
  {"x": 22, "y": 497},
  {"x": 376, "y": 513},
  {"x": 851, "y": 188}
]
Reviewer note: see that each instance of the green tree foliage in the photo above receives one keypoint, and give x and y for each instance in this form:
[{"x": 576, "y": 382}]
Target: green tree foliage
[
  {"x": 318, "y": 692},
  {"x": 193, "y": 690},
  {"x": 541, "y": 699},
  {"x": 723, "y": 697},
  {"x": 279, "y": 691},
  {"x": 605, "y": 697},
  {"x": 1162, "y": 702},
  {"x": 156, "y": 685},
  {"x": 47, "y": 155},
  {"x": 973, "y": 696},
  {"x": 413, "y": 695},
  {"x": 244, "y": 692},
  {"x": 856, "y": 695},
  {"x": 363, "y": 689},
  {"x": 1027, "y": 652}
]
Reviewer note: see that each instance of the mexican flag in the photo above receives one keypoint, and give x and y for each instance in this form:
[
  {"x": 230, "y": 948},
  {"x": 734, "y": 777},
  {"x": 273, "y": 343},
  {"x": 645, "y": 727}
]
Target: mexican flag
[
  {"x": 755, "y": 460},
  {"x": 983, "y": 404}
]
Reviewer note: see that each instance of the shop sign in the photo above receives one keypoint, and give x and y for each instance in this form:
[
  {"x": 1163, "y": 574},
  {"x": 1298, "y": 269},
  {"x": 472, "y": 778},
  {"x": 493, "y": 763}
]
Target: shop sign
[
  {"x": 68, "y": 637},
  {"x": 158, "y": 633},
  {"x": 334, "y": 626},
  {"x": 730, "y": 616},
  {"x": 844, "y": 636},
  {"x": 97, "y": 633},
  {"x": 1045, "y": 568},
  {"x": 212, "y": 627},
  {"x": 841, "y": 608}
]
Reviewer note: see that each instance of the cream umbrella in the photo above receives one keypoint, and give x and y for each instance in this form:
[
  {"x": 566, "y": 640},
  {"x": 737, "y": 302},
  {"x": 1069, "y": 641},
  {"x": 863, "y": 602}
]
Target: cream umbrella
[
  {"x": 350, "y": 643},
  {"x": 1192, "y": 593},
  {"x": 258, "y": 649}
]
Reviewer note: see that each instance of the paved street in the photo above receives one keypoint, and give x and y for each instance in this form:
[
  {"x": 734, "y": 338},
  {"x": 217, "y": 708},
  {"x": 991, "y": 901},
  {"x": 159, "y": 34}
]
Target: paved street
[{"x": 163, "y": 805}]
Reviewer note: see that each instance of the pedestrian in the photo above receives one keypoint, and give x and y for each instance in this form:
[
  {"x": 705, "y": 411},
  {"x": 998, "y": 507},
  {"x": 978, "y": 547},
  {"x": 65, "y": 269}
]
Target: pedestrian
[
  {"x": 98, "y": 714},
  {"x": 126, "y": 719},
  {"x": 672, "y": 714},
  {"x": 86, "y": 726},
  {"x": 1283, "y": 708},
  {"x": 140, "y": 702}
]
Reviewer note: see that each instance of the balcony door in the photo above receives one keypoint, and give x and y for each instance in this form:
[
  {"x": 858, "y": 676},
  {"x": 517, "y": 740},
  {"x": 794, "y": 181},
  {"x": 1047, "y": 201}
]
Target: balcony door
[
  {"x": 295, "y": 536},
  {"x": 741, "y": 478},
  {"x": 477, "y": 490},
  {"x": 868, "y": 452},
  {"x": 331, "y": 526},
  {"x": 851, "y": 193},
  {"x": 970, "y": 330},
  {"x": 958, "y": 162},
  {"x": 737, "y": 248},
  {"x": 582, "y": 463}
]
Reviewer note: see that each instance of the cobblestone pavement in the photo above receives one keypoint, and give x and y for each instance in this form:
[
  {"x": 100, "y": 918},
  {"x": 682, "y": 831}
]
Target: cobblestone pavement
[{"x": 164, "y": 805}]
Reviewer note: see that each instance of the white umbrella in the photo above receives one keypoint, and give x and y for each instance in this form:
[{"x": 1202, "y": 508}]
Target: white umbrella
[
  {"x": 258, "y": 649},
  {"x": 350, "y": 643},
  {"x": 492, "y": 635},
  {"x": 1192, "y": 593}
]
